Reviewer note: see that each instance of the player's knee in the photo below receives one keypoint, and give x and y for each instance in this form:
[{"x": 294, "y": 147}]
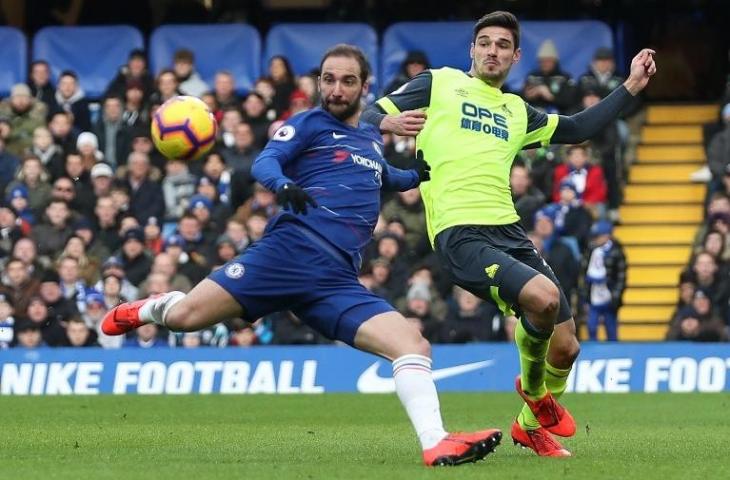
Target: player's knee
[
  {"x": 548, "y": 300},
  {"x": 422, "y": 346},
  {"x": 181, "y": 320}
]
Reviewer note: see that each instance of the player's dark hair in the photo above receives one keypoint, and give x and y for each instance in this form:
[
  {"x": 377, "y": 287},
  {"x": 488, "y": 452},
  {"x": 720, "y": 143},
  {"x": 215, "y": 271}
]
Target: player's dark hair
[
  {"x": 350, "y": 51},
  {"x": 502, "y": 19}
]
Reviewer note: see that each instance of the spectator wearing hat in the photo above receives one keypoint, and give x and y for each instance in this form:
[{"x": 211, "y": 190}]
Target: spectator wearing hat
[
  {"x": 134, "y": 71},
  {"x": 418, "y": 305},
  {"x": 183, "y": 64},
  {"x": 7, "y": 321},
  {"x": 225, "y": 251},
  {"x": 54, "y": 228},
  {"x": 18, "y": 199},
  {"x": 415, "y": 62},
  {"x": 698, "y": 322},
  {"x": 112, "y": 132},
  {"x": 601, "y": 76},
  {"x": 549, "y": 88},
  {"x": 422, "y": 274},
  {"x": 175, "y": 246},
  {"x": 24, "y": 114},
  {"x": 58, "y": 308},
  {"x": 34, "y": 179},
  {"x": 559, "y": 254},
  {"x": 8, "y": 162},
  {"x": 71, "y": 98},
  {"x": 47, "y": 151},
  {"x": 177, "y": 188},
  {"x": 146, "y": 197},
  {"x": 137, "y": 263},
  {"x": 79, "y": 334},
  {"x": 298, "y": 102},
  {"x": 17, "y": 283},
  {"x": 255, "y": 113},
  {"x": 201, "y": 207},
  {"x": 39, "y": 81},
  {"x": 87, "y": 146},
  {"x": 102, "y": 179},
  {"x": 605, "y": 281},
  {"x": 114, "y": 285},
  {"x": 27, "y": 335}
]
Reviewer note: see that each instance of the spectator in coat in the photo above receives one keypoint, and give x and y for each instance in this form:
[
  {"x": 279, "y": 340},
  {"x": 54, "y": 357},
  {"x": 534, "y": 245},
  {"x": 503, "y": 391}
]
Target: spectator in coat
[
  {"x": 34, "y": 178},
  {"x": 9, "y": 164},
  {"x": 137, "y": 264},
  {"x": 224, "y": 89},
  {"x": 549, "y": 88},
  {"x": 415, "y": 62},
  {"x": 71, "y": 98},
  {"x": 134, "y": 71},
  {"x": 588, "y": 179},
  {"x": 25, "y": 114},
  {"x": 54, "y": 229},
  {"x": 113, "y": 135},
  {"x": 605, "y": 280},
  {"x": 183, "y": 64},
  {"x": 39, "y": 81},
  {"x": 146, "y": 197},
  {"x": 698, "y": 322}
]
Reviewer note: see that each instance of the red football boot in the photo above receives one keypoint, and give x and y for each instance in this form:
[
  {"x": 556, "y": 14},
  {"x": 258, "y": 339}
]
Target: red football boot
[
  {"x": 458, "y": 448},
  {"x": 551, "y": 415},
  {"x": 124, "y": 317},
  {"x": 538, "y": 440}
]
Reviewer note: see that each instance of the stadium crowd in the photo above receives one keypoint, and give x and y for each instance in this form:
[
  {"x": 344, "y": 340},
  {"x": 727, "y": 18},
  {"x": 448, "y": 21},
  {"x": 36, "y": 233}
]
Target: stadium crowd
[{"x": 92, "y": 215}]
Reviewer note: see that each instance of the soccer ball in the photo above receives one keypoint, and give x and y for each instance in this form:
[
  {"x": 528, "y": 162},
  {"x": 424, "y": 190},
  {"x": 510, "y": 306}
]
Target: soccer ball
[{"x": 183, "y": 128}]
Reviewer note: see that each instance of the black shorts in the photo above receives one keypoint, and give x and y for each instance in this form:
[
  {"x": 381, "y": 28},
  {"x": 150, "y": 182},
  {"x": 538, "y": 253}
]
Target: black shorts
[{"x": 494, "y": 263}]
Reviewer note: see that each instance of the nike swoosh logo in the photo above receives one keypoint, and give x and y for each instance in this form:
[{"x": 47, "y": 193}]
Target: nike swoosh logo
[
  {"x": 371, "y": 382},
  {"x": 337, "y": 136}
]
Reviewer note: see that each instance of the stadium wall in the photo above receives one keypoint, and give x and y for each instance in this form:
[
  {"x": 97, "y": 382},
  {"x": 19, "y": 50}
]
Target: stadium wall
[{"x": 613, "y": 368}]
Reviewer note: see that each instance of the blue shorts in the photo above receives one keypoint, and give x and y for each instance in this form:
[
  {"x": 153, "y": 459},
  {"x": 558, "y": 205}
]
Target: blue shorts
[{"x": 292, "y": 268}]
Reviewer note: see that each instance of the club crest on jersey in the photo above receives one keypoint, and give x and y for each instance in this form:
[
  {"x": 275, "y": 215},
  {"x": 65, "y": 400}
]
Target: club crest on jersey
[
  {"x": 235, "y": 270},
  {"x": 284, "y": 134}
]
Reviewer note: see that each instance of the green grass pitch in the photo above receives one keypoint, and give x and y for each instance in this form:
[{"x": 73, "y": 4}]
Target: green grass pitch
[{"x": 659, "y": 436}]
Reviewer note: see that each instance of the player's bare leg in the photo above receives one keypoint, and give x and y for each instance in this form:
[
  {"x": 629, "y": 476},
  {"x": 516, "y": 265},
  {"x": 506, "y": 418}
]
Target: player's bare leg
[
  {"x": 391, "y": 336},
  {"x": 206, "y": 304},
  {"x": 540, "y": 301}
]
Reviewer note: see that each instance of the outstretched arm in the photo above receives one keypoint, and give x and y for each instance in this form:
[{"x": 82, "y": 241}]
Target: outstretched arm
[{"x": 584, "y": 125}]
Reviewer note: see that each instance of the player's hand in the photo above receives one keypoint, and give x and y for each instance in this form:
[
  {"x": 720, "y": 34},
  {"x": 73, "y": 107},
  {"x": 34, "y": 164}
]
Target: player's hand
[
  {"x": 292, "y": 196},
  {"x": 422, "y": 168},
  {"x": 405, "y": 124},
  {"x": 643, "y": 67}
]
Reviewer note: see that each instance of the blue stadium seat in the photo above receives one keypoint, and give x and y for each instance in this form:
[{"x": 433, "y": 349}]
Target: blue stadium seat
[
  {"x": 94, "y": 53},
  {"x": 447, "y": 44},
  {"x": 234, "y": 47},
  {"x": 13, "y": 58},
  {"x": 304, "y": 43}
]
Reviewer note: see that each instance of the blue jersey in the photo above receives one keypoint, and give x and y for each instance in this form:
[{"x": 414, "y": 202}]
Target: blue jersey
[{"x": 341, "y": 167}]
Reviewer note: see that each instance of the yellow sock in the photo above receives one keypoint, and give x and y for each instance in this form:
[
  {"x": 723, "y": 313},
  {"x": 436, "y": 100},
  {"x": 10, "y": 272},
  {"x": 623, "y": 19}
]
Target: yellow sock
[
  {"x": 556, "y": 380},
  {"x": 532, "y": 346}
]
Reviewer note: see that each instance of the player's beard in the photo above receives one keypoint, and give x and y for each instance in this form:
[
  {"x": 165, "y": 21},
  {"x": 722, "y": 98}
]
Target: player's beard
[{"x": 342, "y": 115}]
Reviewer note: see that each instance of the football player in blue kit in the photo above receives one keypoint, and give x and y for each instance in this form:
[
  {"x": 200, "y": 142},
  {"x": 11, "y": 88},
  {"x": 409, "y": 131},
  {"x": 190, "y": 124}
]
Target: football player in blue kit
[{"x": 327, "y": 170}]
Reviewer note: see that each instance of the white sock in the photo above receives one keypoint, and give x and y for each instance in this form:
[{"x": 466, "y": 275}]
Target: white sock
[
  {"x": 417, "y": 392},
  {"x": 156, "y": 309}
]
